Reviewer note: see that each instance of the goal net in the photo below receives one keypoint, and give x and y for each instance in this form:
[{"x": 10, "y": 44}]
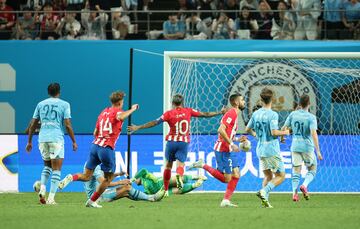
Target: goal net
[{"x": 332, "y": 80}]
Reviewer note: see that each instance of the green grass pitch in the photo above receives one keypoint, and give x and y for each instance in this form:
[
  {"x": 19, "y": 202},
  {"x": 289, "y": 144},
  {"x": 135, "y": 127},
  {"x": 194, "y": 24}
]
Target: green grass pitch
[{"x": 185, "y": 211}]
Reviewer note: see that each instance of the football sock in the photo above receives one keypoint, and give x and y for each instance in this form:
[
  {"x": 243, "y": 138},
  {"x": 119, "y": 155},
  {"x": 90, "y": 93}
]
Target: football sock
[
  {"x": 215, "y": 173},
  {"x": 55, "y": 179},
  {"x": 167, "y": 176},
  {"x": 180, "y": 171},
  {"x": 45, "y": 174},
  {"x": 295, "y": 182},
  {"x": 270, "y": 186},
  {"x": 95, "y": 196},
  {"x": 137, "y": 195},
  {"x": 75, "y": 177},
  {"x": 309, "y": 177},
  {"x": 230, "y": 188}
]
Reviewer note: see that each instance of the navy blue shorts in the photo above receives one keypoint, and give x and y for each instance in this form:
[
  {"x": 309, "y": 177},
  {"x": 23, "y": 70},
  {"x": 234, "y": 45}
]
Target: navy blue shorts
[
  {"x": 226, "y": 161},
  {"x": 176, "y": 151},
  {"x": 101, "y": 155}
]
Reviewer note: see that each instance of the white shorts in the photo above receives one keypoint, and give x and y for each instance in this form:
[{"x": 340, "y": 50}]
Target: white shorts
[
  {"x": 274, "y": 163},
  {"x": 51, "y": 150},
  {"x": 309, "y": 159}
]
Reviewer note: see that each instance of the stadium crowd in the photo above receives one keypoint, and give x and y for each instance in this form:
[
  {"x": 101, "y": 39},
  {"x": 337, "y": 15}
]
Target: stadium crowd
[{"x": 190, "y": 19}]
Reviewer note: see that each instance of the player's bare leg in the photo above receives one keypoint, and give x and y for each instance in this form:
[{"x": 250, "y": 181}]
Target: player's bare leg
[
  {"x": 308, "y": 178},
  {"x": 108, "y": 177},
  {"x": 167, "y": 176},
  {"x": 179, "y": 174},
  {"x": 76, "y": 177},
  {"x": 295, "y": 179},
  {"x": 214, "y": 172},
  {"x": 278, "y": 179},
  {"x": 56, "y": 165},
  {"x": 232, "y": 180},
  {"x": 45, "y": 174}
]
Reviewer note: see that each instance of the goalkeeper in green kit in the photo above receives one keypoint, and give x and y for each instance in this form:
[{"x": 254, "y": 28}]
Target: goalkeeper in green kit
[{"x": 153, "y": 184}]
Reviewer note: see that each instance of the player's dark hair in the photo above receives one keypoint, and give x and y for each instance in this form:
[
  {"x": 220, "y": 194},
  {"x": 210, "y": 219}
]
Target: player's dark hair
[
  {"x": 304, "y": 101},
  {"x": 266, "y": 95},
  {"x": 117, "y": 96},
  {"x": 233, "y": 97},
  {"x": 54, "y": 89},
  {"x": 177, "y": 100}
]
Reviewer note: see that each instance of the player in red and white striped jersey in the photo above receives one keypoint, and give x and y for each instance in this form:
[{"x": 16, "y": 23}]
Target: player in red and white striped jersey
[
  {"x": 178, "y": 137},
  {"x": 106, "y": 133},
  {"x": 228, "y": 167}
]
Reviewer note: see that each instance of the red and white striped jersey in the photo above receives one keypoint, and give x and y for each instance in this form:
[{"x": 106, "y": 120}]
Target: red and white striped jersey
[
  {"x": 179, "y": 123},
  {"x": 109, "y": 127},
  {"x": 230, "y": 120}
]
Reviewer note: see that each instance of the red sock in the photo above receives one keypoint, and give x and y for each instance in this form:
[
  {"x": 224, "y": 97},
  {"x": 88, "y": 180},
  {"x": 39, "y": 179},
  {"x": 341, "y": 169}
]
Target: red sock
[
  {"x": 75, "y": 177},
  {"x": 95, "y": 196},
  {"x": 180, "y": 170},
  {"x": 167, "y": 176},
  {"x": 216, "y": 173},
  {"x": 230, "y": 188}
]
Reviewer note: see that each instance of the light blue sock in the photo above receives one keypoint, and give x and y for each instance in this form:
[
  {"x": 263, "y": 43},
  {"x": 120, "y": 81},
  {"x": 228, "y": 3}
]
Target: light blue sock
[
  {"x": 309, "y": 177},
  {"x": 295, "y": 180},
  {"x": 269, "y": 187},
  {"x": 45, "y": 174},
  {"x": 55, "y": 179},
  {"x": 137, "y": 195},
  {"x": 267, "y": 196}
]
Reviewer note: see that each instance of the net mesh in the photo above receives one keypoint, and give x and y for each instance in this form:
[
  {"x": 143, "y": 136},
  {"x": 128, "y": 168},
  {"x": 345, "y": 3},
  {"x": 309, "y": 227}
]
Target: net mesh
[{"x": 332, "y": 84}]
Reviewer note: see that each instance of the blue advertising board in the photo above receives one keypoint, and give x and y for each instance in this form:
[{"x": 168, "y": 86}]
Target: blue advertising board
[{"x": 338, "y": 172}]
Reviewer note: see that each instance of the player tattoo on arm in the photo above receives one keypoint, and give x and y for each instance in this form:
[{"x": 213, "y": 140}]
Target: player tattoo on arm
[
  {"x": 31, "y": 131},
  {"x": 70, "y": 131}
]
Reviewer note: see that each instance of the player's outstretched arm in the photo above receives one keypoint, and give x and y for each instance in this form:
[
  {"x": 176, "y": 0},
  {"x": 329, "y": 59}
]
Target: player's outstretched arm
[
  {"x": 277, "y": 133},
  {"x": 123, "y": 115},
  {"x": 31, "y": 131},
  {"x": 223, "y": 134},
  {"x": 115, "y": 183},
  {"x": 150, "y": 124},
  {"x": 70, "y": 131},
  {"x": 213, "y": 113},
  {"x": 316, "y": 143}
]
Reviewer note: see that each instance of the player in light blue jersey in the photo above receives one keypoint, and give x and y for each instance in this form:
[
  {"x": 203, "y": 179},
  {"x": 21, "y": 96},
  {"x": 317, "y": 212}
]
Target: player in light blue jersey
[
  {"x": 118, "y": 189},
  {"x": 264, "y": 126},
  {"x": 53, "y": 114},
  {"x": 305, "y": 139}
]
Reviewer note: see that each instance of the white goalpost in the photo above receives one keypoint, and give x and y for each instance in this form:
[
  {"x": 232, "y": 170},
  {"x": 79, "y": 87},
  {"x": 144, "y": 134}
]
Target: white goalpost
[{"x": 331, "y": 79}]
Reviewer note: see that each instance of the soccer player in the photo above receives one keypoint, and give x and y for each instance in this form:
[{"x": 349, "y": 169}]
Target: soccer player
[
  {"x": 117, "y": 189},
  {"x": 178, "y": 138},
  {"x": 153, "y": 184},
  {"x": 107, "y": 131},
  {"x": 305, "y": 139},
  {"x": 54, "y": 114},
  {"x": 263, "y": 125},
  {"x": 228, "y": 167}
]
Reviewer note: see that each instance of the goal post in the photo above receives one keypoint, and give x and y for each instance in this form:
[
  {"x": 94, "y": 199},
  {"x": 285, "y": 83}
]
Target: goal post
[{"x": 331, "y": 79}]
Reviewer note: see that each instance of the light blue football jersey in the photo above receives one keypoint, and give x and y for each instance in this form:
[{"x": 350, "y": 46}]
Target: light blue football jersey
[
  {"x": 262, "y": 122},
  {"x": 91, "y": 185},
  {"x": 52, "y": 112},
  {"x": 301, "y": 122}
]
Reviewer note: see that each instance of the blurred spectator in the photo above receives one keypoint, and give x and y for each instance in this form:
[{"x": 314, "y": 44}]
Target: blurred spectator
[
  {"x": 307, "y": 12},
  {"x": 351, "y": 19},
  {"x": 183, "y": 7},
  {"x": 49, "y": 22},
  {"x": 196, "y": 29},
  {"x": 25, "y": 28},
  {"x": 332, "y": 26},
  {"x": 103, "y": 5},
  {"x": 283, "y": 24},
  {"x": 264, "y": 20},
  {"x": 231, "y": 5},
  {"x": 35, "y": 4},
  {"x": 246, "y": 24},
  {"x": 69, "y": 27},
  {"x": 223, "y": 27},
  {"x": 120, "y": 24},
  {"x": 207, "y": 5},
  {"x": 173, "y": 28},
  {"x": 7, "y": 20},
  {"x": 73, "y": 5},
  {"x": 252, "y": 4},
  {"x": 94, "y": 24}
]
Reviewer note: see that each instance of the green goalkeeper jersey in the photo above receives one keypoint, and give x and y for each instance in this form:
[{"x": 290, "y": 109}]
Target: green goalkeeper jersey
[{"x": 151, "y": 183}]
